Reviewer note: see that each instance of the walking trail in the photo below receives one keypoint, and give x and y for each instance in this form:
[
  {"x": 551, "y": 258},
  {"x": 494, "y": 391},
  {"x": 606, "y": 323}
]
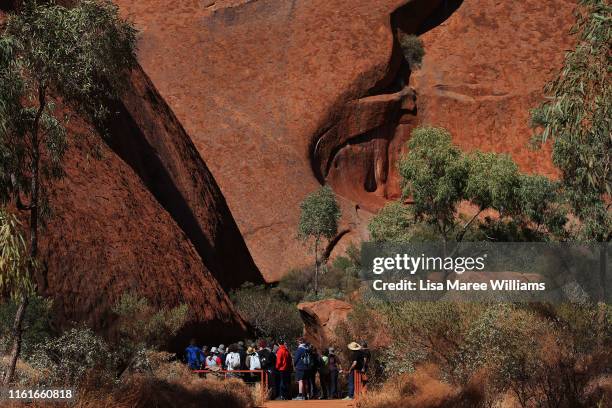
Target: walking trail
[{"x": 310, "y": 404}]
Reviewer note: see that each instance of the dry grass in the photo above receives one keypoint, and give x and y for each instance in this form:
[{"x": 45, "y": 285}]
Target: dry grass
[
  {"x": 422, "y": 389},
  {"x": 171, "y": 385}
]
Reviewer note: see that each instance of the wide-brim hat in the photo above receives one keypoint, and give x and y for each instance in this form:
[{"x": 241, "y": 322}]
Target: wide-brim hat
[{"x": 354, "y": 346}]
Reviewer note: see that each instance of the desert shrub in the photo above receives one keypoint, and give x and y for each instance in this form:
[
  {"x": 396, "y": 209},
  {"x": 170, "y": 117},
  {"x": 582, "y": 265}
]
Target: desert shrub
[
  {"x": 431, "y": 331},
  {"x": 142, "y": 328},
  {"x": 268, "y": 311},
  {"x": 66, "y": 359},
  {"x": 36, "y": 325},
  {"x": 413, "y": 49},
  {"x": 424, "y": 388},
  {"x": 338, "y": 279},
  {"x": 296, "y": 283},
  {"x": 506, "y": 338},
  {"x": 545, "y": 356}
]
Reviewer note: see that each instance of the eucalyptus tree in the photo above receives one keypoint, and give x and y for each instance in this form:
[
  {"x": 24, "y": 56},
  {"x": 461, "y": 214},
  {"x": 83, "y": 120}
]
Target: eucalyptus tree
[
  {"x": 53, "y": 60},
  {"x": 15, "y": 276},
  {"x": 577, "y": 117},
  {"x": 438, "y": 177},
  {"x": 319, "y": 221}
]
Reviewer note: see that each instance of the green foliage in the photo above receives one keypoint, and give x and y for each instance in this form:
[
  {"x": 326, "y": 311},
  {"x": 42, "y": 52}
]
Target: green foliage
[
  {"x": 412, "y": 48},
  {"x": 141, "y": 323},
  {"x": 493, "y": 182},
  {"x": 319, "y": 216},
  {"x": 15, "y": 263},
  {"x": 143, "y": 327},
  {"x": 396, "y": 222},
  {"x": 438, "y": 177},
  {"x": 267, "y": 311},
  {"x": 37, "y": 324},
  {"x": 576, "y": 116},
  {"x": 338, "y": 280},
  {"x": 433, "y": 174},
  {"x": 67, "y": 358},
  {"x": 80, "y": 54},
  {"x": 504, "y": 337},
  {"x": 295, "y": 284}
]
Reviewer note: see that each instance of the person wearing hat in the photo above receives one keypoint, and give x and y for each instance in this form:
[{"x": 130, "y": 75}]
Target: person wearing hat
[
  {"x": 213, "y": 361},
  {"x": 356, "y": 365}
]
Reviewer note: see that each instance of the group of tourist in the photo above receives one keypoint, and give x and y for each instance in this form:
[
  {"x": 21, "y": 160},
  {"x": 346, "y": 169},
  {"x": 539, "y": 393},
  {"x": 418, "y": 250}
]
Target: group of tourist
[{"x": 306, "y": 362}]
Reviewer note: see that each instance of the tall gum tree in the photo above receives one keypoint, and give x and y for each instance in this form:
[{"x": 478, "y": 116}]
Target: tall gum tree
[{"x": 79, "y": 56}]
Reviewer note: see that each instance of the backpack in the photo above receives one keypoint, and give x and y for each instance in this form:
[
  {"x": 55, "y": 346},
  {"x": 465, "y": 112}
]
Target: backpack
[
  {"x": 266, "y": 359},
  {"x": 233, "y": 361},
  {"x": 254, "y": 363},
  {"x": 306, "y": 359}
]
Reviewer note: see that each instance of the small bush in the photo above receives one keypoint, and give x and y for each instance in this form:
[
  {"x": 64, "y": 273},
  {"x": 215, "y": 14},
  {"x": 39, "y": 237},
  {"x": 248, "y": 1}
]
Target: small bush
[
  {"x": 338, "y": 279},
  {"x": 66, "y": 359},
  {"x": 36, "y": 325},
  {"x": 142, "y": 328},
  {"x": 413, "y": 49},
  {"x": 268, "y": 311}
]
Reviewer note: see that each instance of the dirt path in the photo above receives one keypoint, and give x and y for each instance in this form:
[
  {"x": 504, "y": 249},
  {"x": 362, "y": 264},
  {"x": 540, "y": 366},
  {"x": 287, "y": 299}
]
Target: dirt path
[{"x": 310, "y": 404}]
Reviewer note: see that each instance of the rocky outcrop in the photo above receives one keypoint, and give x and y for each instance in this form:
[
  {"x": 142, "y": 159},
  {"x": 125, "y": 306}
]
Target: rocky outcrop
[
  {"x": 146, "y": 135},
  {"x": 254, "y": 83},
  {"x": 138, "y": 211},
  {"x": 279, "y": 96},
  {"x": 109, "y": 235},
  {"x": 321, "y": 319},
  {"x": 485, "y": 68}
]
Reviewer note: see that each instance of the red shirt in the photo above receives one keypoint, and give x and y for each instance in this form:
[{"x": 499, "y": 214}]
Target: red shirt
[{"x": 283, "y": 359}]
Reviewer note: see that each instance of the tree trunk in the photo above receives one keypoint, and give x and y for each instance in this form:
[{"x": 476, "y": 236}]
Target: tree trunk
[
  {"x": 33, "y": 208},
  {"x": 16, "y": 348},
  {"x": 316, "y": 276}
]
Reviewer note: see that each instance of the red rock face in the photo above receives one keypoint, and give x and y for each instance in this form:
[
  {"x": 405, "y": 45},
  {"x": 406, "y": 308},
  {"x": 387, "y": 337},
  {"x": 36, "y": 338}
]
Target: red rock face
[
  {"x": 147, "y": 217},
  {"x": 485, "y": 68},
  {"x": 255, "y": 83},
  {"x": 321, "y": 319},
  {"x": 280, "y": 95}
]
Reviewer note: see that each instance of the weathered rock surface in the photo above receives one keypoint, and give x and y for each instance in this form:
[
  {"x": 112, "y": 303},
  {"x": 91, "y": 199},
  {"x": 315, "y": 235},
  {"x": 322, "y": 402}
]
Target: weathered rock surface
[
  {"x": 146, "y": 216},
  {"x": 278, "y": 95},
  {"x": 485, "y": 68},
  {"x": 254, "y": 83},
  {"x": 321, "y": 319}
]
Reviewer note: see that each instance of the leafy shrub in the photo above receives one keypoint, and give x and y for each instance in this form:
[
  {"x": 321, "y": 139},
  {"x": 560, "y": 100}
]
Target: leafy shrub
[
  {"x": 338, "y": 279},
  {"x": 413, "y": 49},
  {"x": 143, "y": 327},
  {"x": 296, "y": 284},
  {"x": 268, "y": 311},
  {"x": 36, "y": 325},
  {"x": 67, "y": 358}
]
